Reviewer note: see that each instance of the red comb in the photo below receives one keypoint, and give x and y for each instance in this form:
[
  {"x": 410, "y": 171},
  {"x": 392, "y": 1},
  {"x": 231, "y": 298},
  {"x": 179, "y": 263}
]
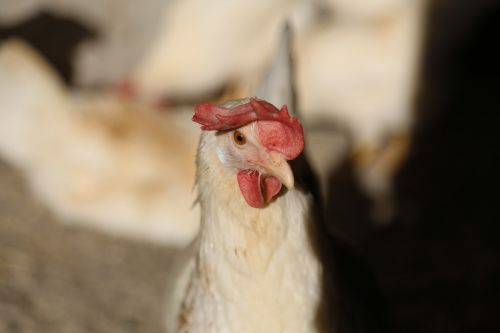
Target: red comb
[{"x": 277, "y": 129}]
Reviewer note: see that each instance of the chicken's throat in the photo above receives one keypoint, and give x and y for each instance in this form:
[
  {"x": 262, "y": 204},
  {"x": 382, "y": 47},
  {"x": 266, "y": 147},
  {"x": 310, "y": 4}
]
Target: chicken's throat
[{"x": 257, "y": 189}]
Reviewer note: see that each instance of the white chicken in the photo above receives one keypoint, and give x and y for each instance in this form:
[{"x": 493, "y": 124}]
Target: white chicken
[
  {"x": 264, "y": 259},
  {"x": 108, "y": 58},
  {"x": 252, "y": 267},
  {"x": 95, "y": 159},
  {"x": 189, "y": 43},
  {"x": 359, "y": 70}
]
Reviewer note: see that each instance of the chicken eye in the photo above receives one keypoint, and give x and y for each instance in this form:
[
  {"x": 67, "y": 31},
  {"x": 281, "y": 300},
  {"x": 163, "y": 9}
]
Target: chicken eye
[{"x": 239, "y": 138}]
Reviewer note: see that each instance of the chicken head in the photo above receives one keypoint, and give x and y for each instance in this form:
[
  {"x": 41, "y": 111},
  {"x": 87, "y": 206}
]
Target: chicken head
[{"x": 254, "y": 141}]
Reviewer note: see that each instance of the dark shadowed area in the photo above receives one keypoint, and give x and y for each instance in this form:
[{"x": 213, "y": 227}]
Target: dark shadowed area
[
  {"x": 53, "y": 36},
  {"x": 437, "y": 262}
]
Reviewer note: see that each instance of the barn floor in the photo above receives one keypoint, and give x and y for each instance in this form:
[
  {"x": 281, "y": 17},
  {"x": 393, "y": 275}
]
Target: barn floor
[{"x": 58, "y": 278}]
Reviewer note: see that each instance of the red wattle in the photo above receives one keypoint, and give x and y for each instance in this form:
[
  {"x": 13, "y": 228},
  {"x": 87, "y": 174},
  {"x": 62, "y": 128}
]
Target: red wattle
[{"x": 257, "y": 191}]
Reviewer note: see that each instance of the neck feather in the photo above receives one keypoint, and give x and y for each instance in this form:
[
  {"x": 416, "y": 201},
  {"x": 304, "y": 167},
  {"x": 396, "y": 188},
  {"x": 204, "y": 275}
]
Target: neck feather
[{"x": 251, "y": 260}]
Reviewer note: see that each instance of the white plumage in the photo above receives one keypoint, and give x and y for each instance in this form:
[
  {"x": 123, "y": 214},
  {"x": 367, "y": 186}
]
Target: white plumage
[
  {"x": 360, "y": 70},
  {"x": 249, "y": 269},
  {"x": 203, "y": 45},
  {"x": 95, "y": 159},
  {"x": 254, "y": 270}
]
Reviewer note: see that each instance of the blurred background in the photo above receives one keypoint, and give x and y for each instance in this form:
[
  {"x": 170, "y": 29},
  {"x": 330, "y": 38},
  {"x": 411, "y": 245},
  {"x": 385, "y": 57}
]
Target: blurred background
[{"x": 399, "y": 100}]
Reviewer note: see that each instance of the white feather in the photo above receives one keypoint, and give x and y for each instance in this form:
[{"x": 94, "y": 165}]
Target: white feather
[
  {"x": 251, "y": 270},
  {"x": 203, "y": 45},
  {"x": 94, "y": 159}
]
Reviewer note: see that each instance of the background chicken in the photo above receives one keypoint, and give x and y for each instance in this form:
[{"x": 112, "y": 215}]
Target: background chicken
[
  {"x": 96, "y": 159},
  {"x": 95, "y": 62}
]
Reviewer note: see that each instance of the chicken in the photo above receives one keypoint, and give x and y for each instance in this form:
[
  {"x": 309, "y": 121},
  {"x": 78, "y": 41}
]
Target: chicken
[
  {"x": 361, "y": 72},
  {"x": 358, "y": 72},
  {"x": 265, "y": 259},
  {"x": 108, "y": 58},
  {"x": 94, "y": 159},
  {"x": 184, "y": 46},
  {"x": 252, "y": 267}
]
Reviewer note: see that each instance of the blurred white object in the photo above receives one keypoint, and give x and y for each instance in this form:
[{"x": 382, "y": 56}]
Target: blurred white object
[
  {"x": 126, "y": 29},
  {"x": 364, "y": 10},
  {"x": 203, "y": 45},
  {"x": 361, "y": 72},
  {"x": 95, "y": 159}
]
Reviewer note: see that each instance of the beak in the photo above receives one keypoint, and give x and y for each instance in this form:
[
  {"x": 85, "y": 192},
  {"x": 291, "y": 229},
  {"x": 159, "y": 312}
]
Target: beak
[{"x": 275, "y": 164}]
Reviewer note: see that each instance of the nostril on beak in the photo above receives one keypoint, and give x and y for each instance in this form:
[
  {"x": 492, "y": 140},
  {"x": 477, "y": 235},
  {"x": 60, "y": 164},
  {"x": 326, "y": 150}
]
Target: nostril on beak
[{"x": 276, "y": 165}]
